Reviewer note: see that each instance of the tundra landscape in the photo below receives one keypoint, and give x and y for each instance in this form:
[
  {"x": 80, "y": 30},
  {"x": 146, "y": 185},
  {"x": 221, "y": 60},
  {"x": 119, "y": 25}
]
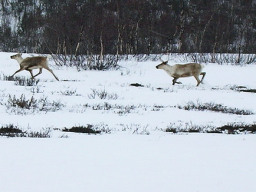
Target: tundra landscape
[
  {"x": 127, "y": 96},
  {"x": 127, "y": 128}
]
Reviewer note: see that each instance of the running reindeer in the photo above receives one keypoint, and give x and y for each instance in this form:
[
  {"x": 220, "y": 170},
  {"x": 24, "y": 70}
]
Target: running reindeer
[
  {"x": 186, "y": 70},
  {"x": 31, "y": 63}
]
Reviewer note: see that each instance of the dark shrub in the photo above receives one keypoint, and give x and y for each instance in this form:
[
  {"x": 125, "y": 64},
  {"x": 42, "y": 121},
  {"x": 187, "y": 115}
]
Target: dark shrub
[{"x": 83, "y": 129}]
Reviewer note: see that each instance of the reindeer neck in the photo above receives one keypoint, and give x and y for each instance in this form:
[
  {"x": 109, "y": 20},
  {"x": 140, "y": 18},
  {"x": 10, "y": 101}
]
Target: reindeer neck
[
  {"x": 19, "y": 59},
  {"x": 167, "y": 67}
]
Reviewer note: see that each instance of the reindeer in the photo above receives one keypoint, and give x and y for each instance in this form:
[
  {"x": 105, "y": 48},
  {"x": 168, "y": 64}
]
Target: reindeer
[
  {"x": 187, "y": 70},
  {"x": 31, "y": 63}
]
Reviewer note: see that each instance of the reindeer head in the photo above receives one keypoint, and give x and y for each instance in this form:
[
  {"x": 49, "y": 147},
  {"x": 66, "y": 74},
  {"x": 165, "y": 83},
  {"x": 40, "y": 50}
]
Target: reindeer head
[
  {"x": 16, "y": 56},
  {"x": 161, "y": 65}
]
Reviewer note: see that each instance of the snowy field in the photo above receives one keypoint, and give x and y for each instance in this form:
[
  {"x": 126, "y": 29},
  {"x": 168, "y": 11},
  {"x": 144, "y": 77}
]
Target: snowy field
[{"x": 134, "y": 151}]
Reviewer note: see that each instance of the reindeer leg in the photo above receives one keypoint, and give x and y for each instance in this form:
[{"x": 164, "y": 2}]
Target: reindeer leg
[
  {"x": 21, "y": 69},
  {"x": 203, "y": 73},
  {"x": 40, "y": 71},
  {"x": 31, "y": 73},
  {"x": 174, "y": 80},
  {"x": 197, "y": 79},
  {"x": 47, "y": 68}
]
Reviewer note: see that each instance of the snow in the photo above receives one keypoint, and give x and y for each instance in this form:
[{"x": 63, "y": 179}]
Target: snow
[
  {"x": 194, "y": 162},
  {"x": 137, "y": 154}
]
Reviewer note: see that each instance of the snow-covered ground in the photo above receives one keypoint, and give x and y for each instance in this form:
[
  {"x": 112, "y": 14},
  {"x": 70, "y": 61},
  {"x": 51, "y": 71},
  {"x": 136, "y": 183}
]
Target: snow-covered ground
[
  {"x": 107, "y": 163},
  {"x": 136, "y": 154}
]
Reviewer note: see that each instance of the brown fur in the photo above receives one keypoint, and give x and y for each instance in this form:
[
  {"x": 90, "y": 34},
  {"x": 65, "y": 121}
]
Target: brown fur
[
  {"x": 31, "y": 63},
  {"x": 183, "y": 70}
]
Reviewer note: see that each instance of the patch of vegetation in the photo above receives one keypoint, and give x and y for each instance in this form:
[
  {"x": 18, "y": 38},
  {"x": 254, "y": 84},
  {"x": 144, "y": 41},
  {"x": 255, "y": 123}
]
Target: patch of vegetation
[
  {"x": 22, "y": 105},
  {"x": 171, "y": 130},
  {"x": 226, "y": 129},
  {"x": 89, "y": 129},
  {"x": 35, "y": 89},
  {"x": 10, "y": 131},
  {"x": 118, "y": 109},
  {"x": 157, "y": 107},
  {"x": 136, "y": 85},
  {"x": 69, "y": 92},
  {"x": 105, "y": 106},
  {"x": 186, "y": 128},
  {"x": 221, "y": 58},
  {"x": 14, "y": 131},
  {"x": 107, "y": 62},
  {"x": 123, "y": 110},
  {"x": 102, "y": 94},
  {"x": 88, "y": 62},
  {"x": 46, "y": 105},
  {"x": 115, "y": 108},
  {"x": 135, "y": 128},
  {"x": 191, "y": 130},
  {"x": 147, "y": 57},
  {"x": 22, "y": 81},
  {"x": 248, "y": 90},
  {"x": 236, "y": 129},
  {"x": 243, "y": 89},
  {"x": 214, "y": 107},
  {"x": 21, "y": 102},
  {"x": 82, "y": 129}
]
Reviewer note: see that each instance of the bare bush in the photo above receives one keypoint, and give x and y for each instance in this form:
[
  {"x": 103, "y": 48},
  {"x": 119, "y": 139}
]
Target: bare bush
[
  {"x": 22, "y": 105},
  {"x": 102, "y": 94},
  {"x": 89, "y": 129},
  {"x": 21, "y": 102},
  {"x": 214, "y": 107},
  {"x": 221, "y": 58},
  {"x": 237, "y": 128},
  {"x": 69, "y": 92},
  {"x": 14, "y": 131},
  {"x": 10, "y": 131},
  {"x": 22, "y": 81},
  {"x": 135, "y": 128},
  {"x": 188, "y": 127},
  {"x": 88, "y": 62},
  {"x": 231, "y": 128},
  {"x": 105, "y": 63}
]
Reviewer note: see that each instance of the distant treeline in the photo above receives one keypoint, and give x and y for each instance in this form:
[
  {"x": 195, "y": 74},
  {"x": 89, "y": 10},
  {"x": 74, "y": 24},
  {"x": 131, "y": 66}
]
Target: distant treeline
[{"x": 128, "y": 26}]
